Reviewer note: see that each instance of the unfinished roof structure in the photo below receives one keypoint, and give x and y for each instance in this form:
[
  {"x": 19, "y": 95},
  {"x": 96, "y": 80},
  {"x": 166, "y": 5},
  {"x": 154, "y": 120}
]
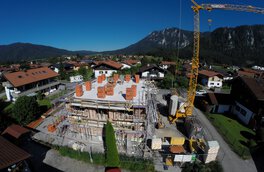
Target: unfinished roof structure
[{"x": 123, "y": 100}]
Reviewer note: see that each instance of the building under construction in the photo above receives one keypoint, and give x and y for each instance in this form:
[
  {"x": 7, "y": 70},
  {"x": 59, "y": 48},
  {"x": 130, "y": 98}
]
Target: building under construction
[{"x": 124, "y": 100}]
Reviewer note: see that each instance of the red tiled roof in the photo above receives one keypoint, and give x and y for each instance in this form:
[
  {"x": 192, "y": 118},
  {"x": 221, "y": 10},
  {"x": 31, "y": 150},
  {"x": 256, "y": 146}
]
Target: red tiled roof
[
  {"x": 15, "y": 130},
  {"x": 251, "y": 71},
  {"x": 110, "y": 63},
  {"x": 168, "y": 63},
  {"x": 10, "y": 154},
  {"x": 209, "y": 73},
  {"x": 131, "y": 62},
  {"x": 21, "y": 78},
  {"x": 245, "y": 73}
]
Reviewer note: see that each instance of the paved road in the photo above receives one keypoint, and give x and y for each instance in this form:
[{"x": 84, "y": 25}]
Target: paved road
[
  {"x": 54, "y": 159},
  {"x": 230, "y": 161}
]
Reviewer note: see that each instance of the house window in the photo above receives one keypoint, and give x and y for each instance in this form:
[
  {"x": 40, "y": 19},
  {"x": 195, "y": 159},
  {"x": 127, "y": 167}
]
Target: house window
[
  {"x": 105, "y": 72},
  {"x": 218, "y": 84},
  {"x": 101, "y": 72},
  {"x": 238, "y": 108},
  {"x": 211, "y": 83},
  {"x": 243, "y": 112}
]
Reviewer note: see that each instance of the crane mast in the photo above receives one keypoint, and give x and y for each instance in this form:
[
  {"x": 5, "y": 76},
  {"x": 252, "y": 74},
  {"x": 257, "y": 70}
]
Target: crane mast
[{"x": 187, "y": 108}]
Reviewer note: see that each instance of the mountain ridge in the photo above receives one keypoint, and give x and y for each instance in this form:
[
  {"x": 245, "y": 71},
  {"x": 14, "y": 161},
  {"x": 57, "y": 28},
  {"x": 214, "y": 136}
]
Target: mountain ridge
[{"x": 241, "y": 45}]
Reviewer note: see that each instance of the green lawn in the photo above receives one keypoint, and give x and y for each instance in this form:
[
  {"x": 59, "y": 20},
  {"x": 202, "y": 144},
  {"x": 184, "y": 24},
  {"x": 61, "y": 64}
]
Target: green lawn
[
  {"x": 8, "y": 108},
  {"x": 238, "y": 136},
  {"x": 57, "y": 95},
  {"x": 45, "y": 102}
]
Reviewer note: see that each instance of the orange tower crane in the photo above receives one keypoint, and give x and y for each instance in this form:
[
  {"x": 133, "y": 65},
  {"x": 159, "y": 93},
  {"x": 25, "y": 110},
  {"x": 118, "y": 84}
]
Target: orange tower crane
[{"x": 187, "y": 108}]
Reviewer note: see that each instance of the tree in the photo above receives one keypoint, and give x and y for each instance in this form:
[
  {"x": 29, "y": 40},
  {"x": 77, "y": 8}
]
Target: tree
[
  {"x": 25, "y": 109},
  {"x": 112, "y": 158},
  {"x": 167, "y": 81},
  {"x": 86, "y": 73}
]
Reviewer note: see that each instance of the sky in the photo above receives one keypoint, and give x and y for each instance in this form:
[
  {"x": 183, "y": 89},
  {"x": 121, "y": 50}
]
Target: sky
[{"x": 101, "y": 25}]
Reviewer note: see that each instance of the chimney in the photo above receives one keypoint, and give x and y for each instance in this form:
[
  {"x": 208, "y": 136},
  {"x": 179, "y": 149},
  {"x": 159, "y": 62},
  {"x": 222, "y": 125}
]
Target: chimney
[
  {"x": 137, "y": 79},
  {"x": 101, "y": 92},
  {"x": 134, "y": 90},
  {"x": 99, "y": 79},
  {"x": 78, "y": 90},
  {"x": 88, "y": 85},
  {"x": 129, "y": 94}
]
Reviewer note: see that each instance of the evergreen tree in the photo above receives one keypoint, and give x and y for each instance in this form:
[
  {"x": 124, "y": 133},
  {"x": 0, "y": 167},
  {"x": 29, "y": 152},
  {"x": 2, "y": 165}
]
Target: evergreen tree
[{"x": 112, "y": 157}]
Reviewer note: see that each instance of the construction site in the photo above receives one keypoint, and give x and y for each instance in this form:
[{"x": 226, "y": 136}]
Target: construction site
[
  {"x": 130, "y": 104},
  {"x": 127, "y": 102}
]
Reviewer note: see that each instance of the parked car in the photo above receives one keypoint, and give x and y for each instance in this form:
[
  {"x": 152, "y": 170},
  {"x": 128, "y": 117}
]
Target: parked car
[{"x": 200, "y": 92}]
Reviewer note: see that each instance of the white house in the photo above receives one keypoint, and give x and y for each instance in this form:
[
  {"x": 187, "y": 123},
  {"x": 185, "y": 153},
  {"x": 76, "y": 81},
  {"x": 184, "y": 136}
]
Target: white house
[
  {"x": 151, "y": 71},
  {"x": 77, "y": 78},
  {"x": 127, "y": 64},
  {"x": 220, "y": 103},
  {"x": 166, "y": 64},
  {"x": 249, "y": 99},
  {"x": 210, "y": 78},
  {"x": 106, "y": 67},
  {"x": 29, "y": 82},
  {"x": 243, "y": 113}
]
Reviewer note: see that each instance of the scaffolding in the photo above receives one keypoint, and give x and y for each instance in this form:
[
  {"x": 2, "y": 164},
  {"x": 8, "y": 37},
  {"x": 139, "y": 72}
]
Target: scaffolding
[{"x": 133, "y": 120}]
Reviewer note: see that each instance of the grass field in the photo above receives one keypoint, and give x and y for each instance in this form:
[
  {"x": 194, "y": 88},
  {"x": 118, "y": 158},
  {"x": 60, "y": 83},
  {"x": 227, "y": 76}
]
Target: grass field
[
  {"x": 238, "y": 136},
  {"x": 45, "y": 102}
]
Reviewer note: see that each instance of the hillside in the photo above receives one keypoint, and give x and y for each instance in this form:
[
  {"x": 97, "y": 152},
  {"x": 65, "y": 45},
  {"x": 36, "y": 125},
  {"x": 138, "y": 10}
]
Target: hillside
[
  {"x": 26, "y": 51},
  {"x": 243, "y": 45}
]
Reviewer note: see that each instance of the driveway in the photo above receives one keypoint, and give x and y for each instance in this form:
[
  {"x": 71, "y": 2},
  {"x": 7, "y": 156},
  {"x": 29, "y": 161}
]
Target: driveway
[{"x": 229, "y": 160}]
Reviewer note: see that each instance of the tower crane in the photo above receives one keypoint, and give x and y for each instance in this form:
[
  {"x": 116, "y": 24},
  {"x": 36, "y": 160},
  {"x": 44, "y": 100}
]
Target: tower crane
[{"x": 187, "y": 108}]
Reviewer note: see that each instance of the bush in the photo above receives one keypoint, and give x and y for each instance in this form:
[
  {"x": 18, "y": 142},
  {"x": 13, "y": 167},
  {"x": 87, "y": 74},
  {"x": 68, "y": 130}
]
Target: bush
[
  {"x": 112, "y": 158},
  {"x": 213, "y": 166}
]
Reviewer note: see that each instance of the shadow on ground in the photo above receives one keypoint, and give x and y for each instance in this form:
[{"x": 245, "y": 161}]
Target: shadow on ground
[
  {"x": 38, "y": 153},
  {"x": 257, "y": 154}
]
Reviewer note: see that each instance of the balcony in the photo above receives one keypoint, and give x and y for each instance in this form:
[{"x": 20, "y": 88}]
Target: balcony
[{"x": 16, "y": 94}]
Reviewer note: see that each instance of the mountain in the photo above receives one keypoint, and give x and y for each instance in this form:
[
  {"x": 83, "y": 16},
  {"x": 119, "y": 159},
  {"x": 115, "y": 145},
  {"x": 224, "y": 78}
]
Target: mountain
[
  {"x": 26, "y": 51},
  {"x": 164, "y": 39},
  {"x": 243, "y": 45},
  {"x": 240, "y": 45}
]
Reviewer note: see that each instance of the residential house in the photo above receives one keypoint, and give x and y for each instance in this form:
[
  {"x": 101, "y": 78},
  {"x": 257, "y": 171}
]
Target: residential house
[
  {"x": 151, "y": 71},
  {"x": 11, "y": 156},
  {"x": 106, "y": 67},
  {"x": 76, "y": 78},
  {"x": 220, "y": 103},
  {"x": 166, "y": 64},
  {"x": 129, "y": 63},
  {"x": 77, "y": 65},
  {"x": 28, "y": 82},
  {"x": 66, "y": 67},
  {"x": 210, "y": 79},
  {"x": 250, "y": 73},
  {"x": 248, "y": 94},
  {"x": 227, "y": 75}
]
